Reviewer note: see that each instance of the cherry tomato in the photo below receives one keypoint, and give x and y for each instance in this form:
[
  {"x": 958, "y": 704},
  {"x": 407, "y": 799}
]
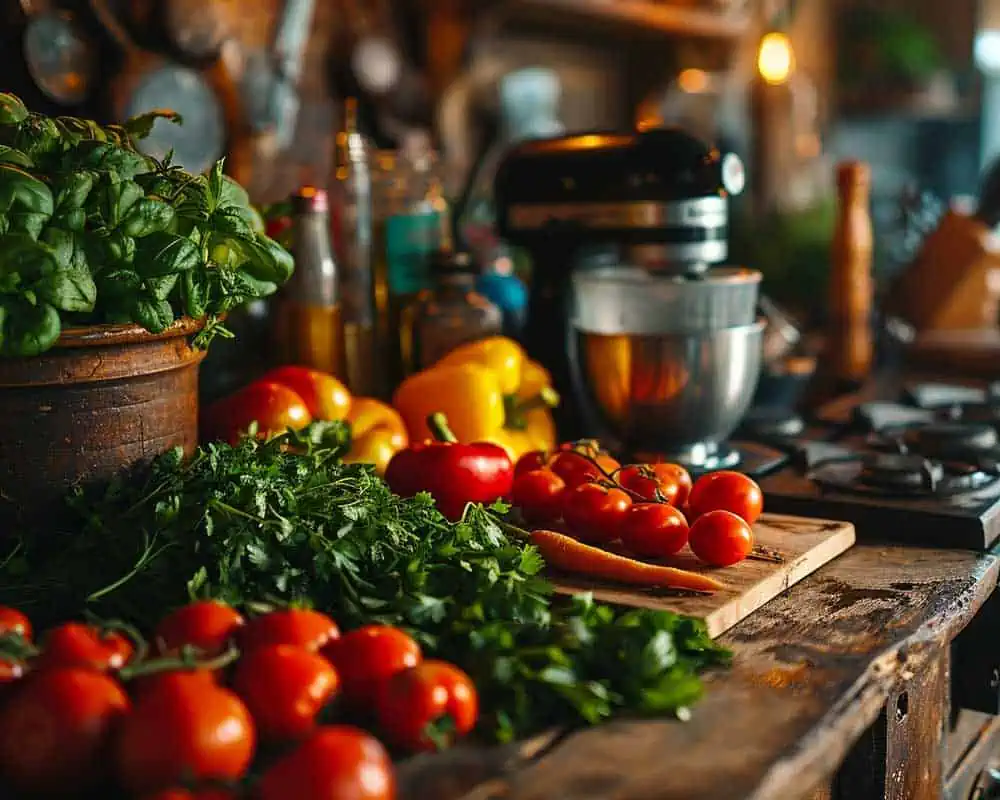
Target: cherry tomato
[
  {"x": 207, "y": 626},
  {"x": 530, "y": 461},
  {"x": 539, "y": 496},
  {"x": 273, "y": 406},
  {"x": 74, "y": 644},
  {"x": 54, "y": 729},
  {"x": 720, "y": 538},
  {"x": 178, "y": 677},
  {"x": 674, "y": 475},
  {"x": 10, "y": 671},
  {"x": 285, "y": 687},
  {"x": 654, "y": 530},
  {"x": 594, "y": 512},
  {"x": 301, "y": 627},
  {"x": 727, "y": 491},
  {"x": 574, "y": 468},
  {"x": 367, "y": 657},
  {"x": 336, "y": 762},
  {"x": 412, "y": 700},
  {"x": 13, "y": 621},
  {"x": 184, "y": 729},
  {"x": 325, "y": 397}
]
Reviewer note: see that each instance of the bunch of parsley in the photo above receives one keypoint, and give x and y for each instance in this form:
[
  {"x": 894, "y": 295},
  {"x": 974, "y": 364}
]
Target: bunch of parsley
[{"x": 287, "y": 520}]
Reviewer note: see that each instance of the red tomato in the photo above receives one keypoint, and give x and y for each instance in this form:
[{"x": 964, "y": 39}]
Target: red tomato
[
  {"x": 301, "y": 627},
  {"x": 54, "y": 729},
  {"x": 10, "y": 671},
  {"x": 720, "y": 538},
  {"x": 335, "y": 763},
  {"x": 284, "y": 687},
  {"x": 654, "y": 530},
  {"x": 325, "y": 397},
  {"x": 594, "y": 512},
  {"x": 536, "y": 459},
  {"x": 727, "y": 491},
  {"x": 672, "y": 475},
  {"x": 184, "y": 729},
  {"x": 539, "y": 496},
  {"x": 367, "y": 657},
  {"x": 74, "y": 644},
  {"x": 207, "y": 626},
  {"x": 574, "y": 468},
  {"x": 172, "y": 678},
  {"x": 412, "y": 700},
  {"x": 274, "y": 407},
  {"x": 13, "y": 621}
]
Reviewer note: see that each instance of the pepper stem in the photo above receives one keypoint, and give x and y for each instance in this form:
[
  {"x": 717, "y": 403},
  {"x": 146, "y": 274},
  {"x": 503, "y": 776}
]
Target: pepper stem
[
  {"x": 546, "y": 398},
  {"x": 438, "y": 423}
]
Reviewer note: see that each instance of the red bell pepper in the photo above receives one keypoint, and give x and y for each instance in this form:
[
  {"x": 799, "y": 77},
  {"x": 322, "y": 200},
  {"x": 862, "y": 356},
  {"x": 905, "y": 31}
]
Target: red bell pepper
[{"x": 455, "y": 474}]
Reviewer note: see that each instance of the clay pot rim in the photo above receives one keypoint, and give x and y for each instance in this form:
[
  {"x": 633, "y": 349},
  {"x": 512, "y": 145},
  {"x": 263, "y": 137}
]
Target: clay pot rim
[{"x": 101, "y": 335}]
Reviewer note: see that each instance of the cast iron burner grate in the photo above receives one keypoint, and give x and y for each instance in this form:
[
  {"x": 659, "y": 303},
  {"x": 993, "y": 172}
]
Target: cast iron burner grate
[{"x": 899, "y": 475}]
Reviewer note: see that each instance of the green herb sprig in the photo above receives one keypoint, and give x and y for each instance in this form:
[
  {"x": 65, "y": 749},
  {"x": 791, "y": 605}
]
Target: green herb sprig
[
  {"x": 287, "y": 520},
  {"x": 92, "y": 231}
]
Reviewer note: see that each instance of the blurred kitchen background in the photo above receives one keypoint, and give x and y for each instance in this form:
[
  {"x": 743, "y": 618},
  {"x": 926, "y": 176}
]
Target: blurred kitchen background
[{"x": 793, "y": 86}]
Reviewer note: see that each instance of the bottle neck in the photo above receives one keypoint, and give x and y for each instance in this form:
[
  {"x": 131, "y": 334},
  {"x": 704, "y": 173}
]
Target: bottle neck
[{"x": 315, "y": 278}]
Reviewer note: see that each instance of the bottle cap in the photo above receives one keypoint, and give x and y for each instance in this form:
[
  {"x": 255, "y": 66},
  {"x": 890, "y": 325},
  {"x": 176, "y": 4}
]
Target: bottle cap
[
  {"x": 853, "y": 174},
  {"x": 309, "y": 198}
]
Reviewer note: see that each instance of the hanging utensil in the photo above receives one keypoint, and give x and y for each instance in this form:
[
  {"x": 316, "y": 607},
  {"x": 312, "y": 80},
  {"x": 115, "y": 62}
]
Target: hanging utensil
[
  {"x": 149, "y": 81},
  {"x": 61, "y": 58},
  {"x": 197, "y": 28},
  {"x": 271, "y": 79},
  {"x": 376, "y": 59}
]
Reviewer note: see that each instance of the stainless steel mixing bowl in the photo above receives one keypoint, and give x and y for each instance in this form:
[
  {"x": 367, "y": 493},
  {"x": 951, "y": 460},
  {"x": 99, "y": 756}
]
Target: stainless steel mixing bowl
[{"x": 680, "y": 393}]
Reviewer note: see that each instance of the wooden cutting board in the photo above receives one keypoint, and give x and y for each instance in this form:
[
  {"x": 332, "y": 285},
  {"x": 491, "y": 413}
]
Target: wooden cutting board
[{"x": 805, "y": 544}]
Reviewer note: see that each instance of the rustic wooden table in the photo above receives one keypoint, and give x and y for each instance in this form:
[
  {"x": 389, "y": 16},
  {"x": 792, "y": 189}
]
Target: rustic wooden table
[{"x": 840, "y": 688}]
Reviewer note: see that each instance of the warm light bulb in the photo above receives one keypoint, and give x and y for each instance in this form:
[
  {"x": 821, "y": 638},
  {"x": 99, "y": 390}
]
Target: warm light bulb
[
  {"x": 693, "y": 81},
  {"x": 775, "y": 60}
]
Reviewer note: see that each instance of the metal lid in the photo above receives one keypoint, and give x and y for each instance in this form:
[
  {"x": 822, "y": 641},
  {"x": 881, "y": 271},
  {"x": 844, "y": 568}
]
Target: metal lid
[{"x": 310, "y": 199}]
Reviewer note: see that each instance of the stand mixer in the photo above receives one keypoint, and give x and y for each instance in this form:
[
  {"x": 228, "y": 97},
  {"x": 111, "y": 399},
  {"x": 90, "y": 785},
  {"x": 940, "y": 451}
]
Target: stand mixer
[{"x": 658, "y": 356}]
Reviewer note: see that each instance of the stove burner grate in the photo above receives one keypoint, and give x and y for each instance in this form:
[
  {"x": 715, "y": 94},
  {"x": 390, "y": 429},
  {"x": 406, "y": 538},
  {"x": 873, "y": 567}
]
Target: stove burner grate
[{"x": 899, "y": 475}]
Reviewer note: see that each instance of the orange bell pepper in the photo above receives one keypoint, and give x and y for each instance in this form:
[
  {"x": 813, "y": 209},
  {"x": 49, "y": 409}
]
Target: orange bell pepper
[
  {"x": 377, "y": 433},
  {"x": 489, "y": 391}
]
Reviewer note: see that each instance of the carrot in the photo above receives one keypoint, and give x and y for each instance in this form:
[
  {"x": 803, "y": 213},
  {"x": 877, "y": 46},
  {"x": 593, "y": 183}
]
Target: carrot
[{"x": 566, "y": 553}]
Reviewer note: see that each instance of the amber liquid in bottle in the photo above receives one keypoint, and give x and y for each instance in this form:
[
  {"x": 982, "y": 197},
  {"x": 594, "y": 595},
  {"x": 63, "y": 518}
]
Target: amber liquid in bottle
[{"x": 311, "y": 336}]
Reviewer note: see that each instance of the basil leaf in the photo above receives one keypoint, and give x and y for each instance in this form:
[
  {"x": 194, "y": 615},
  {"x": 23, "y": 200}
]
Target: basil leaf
[
  {"x": 252, "y": 287},
  {"x": 29, "y": 330},
  {"x": 231, "y": 221},
  {"x": 117, "y": 199},
  {"x": 153, "y": 314},
  {"x": 148, "y": 216},
  {"x": 161, "y": 287},
  {"x": 121, "y": 248},
  {"x": 106, "y": 157},
  {"x": 194, "y": 291},
  {"x": 140, "y": 126},
  {"x": 161, "y": 253},
  {"x": 232, "y": 195},
  {"x": 61, "y": 243},
  {"x": 214, "y": 186},
  {"x": 24, "y": 191},
  {"x": 75, "y": 219},
  {"x": 12, "y": 110},
  {"x": 29, "y": 259},
  {"x": 27, "y": 222},
  {"x": 72, "y": 190},
  {"x": 11, "y": 155},
  {"x": 68, "y": 290}
]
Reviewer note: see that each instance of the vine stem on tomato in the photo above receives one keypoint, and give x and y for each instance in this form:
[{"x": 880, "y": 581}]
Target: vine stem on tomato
[{"x": 188, "y": 660}]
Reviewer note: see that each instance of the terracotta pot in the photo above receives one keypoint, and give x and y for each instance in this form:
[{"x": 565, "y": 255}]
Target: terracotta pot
[{"x": 105, "y": 397}]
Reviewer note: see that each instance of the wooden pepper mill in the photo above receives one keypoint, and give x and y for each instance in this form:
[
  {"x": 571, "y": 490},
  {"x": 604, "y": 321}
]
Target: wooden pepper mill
[{"x": 848, "y": 354}]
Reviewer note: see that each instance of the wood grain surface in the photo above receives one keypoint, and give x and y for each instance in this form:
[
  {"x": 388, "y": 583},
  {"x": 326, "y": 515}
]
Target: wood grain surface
[{"x": 805, "y": 545}]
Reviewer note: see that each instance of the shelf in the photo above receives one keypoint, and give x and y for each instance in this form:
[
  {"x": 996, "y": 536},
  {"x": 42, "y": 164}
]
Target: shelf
[{"x": 635, "y": 15}]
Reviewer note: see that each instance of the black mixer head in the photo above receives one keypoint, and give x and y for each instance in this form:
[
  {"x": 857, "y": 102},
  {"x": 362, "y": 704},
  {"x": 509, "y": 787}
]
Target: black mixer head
[{"x": 661, "y": 186}]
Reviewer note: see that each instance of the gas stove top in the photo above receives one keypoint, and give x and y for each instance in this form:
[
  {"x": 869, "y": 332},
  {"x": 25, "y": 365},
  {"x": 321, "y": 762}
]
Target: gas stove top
[{"x": 922, "y": 468}]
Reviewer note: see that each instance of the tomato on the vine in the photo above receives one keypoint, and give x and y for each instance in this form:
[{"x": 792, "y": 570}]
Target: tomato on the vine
[
  {"x": 594, "y": 512},
  {"x": 367, "y": 657},
  {"x": 54, "y": 730},
  {"x": 10, "y": 671},
  {"x": 574, "y": 468},
  {"x": 301, "y": 627},
  {"x": 433, "y": 692},
  {"x": 13, "y": 621},
  {"x": 530, "y": 461},
  {"x": 727, "y": 491},
  {"x": 720, "y": 538},
  {"x": 207, "y": 625},
  {"x": 668, "y": 483},
  {"x": 74, "y": 644},
  {"x": 674, "y": 475},
  {"x": 285, "y": 688},
  {"x": 185, "y": 729},
  {"x": 192, "y": 794},
  {"x": 539, "y": 496},
  {"x": 654, "y": 530},
  {"x": 335, "y": 762}
]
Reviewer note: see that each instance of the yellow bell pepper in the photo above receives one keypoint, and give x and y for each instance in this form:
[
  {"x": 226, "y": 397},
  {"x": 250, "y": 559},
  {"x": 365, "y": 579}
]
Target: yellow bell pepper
[
  {"x": 377, "y": 433},
  {"x": 489, "y": 391}
]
